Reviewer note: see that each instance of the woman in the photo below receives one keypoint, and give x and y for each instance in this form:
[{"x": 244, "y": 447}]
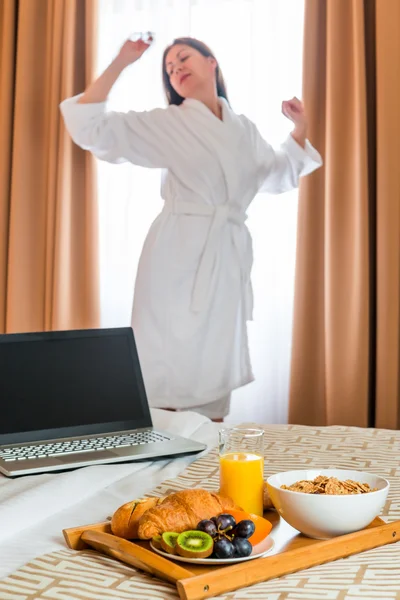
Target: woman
[{"x": 193, "y": 292}]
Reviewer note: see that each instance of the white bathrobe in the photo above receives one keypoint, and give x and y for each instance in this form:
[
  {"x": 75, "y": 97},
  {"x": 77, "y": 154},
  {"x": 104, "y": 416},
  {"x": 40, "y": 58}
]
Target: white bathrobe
[{"x": 193, "y": 292}]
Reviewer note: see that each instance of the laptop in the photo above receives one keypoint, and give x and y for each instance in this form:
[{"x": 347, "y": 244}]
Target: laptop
[{"x": 76, "y": 398}]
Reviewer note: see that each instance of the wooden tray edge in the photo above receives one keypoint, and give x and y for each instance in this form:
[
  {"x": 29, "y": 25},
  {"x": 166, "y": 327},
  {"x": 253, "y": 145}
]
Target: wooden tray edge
[
  {"x": 208, "y": 585},
  {"x": 136, "y": 556},
  {"x": 211, "y": 584},
  {"x": 73, "y": 535}
]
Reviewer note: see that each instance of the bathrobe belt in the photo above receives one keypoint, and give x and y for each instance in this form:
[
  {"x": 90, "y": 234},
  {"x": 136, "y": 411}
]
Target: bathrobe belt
[{"x": 220, "y": 215}]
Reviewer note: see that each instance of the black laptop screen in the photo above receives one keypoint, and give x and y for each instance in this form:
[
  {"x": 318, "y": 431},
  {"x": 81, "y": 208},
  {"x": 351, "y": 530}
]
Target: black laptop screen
[{"x": 78, "y": 383}]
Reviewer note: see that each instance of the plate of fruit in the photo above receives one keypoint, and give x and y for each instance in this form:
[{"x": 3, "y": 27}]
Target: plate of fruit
[{"x": 224, "y": 539}]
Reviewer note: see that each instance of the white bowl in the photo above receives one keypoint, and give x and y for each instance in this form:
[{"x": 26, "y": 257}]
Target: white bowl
[{"x": 324, "y": 516}]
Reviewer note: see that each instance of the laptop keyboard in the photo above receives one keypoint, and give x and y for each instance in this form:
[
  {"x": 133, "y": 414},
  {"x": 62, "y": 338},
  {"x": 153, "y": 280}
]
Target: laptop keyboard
[{"x": 55, "y": 449}]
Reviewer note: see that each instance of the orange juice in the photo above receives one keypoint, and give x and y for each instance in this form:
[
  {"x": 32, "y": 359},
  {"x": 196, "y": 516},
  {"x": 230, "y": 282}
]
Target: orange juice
[{"x": 242, "y": 479}]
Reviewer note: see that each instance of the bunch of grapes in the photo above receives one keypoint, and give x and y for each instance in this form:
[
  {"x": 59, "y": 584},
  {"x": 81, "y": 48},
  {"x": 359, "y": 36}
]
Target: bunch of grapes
[{"x": 230, "y": 538}]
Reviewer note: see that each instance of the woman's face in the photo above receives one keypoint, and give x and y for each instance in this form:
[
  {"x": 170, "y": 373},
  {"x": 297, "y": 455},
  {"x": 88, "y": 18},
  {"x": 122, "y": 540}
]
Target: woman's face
[{"x": 188, "y": 70}]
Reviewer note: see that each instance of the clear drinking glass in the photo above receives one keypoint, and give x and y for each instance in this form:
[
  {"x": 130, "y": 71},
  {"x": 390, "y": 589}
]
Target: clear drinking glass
[
  {"x": 241, "y": 459},
  {"x": 145, "y": 36}
]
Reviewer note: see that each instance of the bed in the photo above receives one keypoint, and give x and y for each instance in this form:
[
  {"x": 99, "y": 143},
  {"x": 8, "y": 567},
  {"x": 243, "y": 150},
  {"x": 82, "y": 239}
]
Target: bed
[{"x": 36, "y": 563}]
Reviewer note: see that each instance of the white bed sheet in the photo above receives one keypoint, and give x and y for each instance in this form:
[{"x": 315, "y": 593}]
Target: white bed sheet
[{"x": 34, "y": 509}]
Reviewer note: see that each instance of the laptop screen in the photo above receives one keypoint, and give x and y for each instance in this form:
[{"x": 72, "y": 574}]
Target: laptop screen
[{"x": 70, "y": 383}]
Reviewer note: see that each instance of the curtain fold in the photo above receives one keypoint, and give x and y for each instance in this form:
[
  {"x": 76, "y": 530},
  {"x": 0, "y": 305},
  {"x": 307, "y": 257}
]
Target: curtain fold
[
  {"x": 388, "y": 214},
  {"x": 8, "y": 13},
  {"x": 345, "y": 290},
  {"x": 48, "y": 258}
]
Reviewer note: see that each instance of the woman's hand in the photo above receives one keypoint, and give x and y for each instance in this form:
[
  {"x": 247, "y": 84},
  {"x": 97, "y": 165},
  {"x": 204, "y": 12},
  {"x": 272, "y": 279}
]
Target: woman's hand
[
  {"x": 294, "y": 110},
  {"x": 100, "y": 88},
  {"x": 131, "y": 52}
]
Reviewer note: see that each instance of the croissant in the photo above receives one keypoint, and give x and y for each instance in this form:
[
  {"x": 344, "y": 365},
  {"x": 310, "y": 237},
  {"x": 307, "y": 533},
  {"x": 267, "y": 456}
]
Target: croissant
[
  {"x": 182, "y": 511},
  {"x": 124, "y": 522}
]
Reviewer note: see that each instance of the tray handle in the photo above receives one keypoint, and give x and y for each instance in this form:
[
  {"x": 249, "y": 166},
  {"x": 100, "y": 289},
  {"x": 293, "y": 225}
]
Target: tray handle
[{"x": 135, "y": 555}]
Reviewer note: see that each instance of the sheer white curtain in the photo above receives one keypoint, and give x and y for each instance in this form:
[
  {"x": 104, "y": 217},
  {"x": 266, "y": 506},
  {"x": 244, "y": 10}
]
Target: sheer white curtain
[{"x": 258, "y": 44}]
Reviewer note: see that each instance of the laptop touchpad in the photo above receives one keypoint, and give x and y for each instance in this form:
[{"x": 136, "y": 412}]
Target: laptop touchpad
[{"x": 101, "y": 455}]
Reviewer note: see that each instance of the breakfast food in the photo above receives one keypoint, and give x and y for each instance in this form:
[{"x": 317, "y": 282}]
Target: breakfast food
[
  {"x": 267, "y": 502},
  {"x": 156, "y": 541},
  {"x": 194, "y": 544},
  {"x": 262, "y": 526},
  {"x": 329, "y": 485},
  {"x": 168, "y": 541},
  {"x": 182, "y": 511},
  {"x": 230, "y": 538},
  {"x": 124, "y": 522},
  {"x": 242, "y": 547},
  {"x": 227, "y": 538},
  {"x": 223, "y": 548},
  {"x": 208, "y": 526},
  {"x": 244, "y": 529},
  {"x": 150, "y": 517}
]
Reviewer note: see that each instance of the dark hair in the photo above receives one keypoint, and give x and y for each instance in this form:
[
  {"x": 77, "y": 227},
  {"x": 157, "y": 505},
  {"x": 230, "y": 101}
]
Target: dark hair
[{"x": 172, "y": 96}]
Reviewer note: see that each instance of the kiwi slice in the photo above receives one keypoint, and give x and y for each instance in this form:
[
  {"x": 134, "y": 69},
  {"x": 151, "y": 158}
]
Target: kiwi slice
[
  {"x": 156, "y": 542},
  {"x": 194, "y": 544},
  {"x": 168, "y": 541}
]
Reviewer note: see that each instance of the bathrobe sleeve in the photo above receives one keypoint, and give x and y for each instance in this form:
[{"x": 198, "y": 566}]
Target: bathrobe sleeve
[
  {"x": 142, "y": 138},
  {"x": 279, "y": 171}
]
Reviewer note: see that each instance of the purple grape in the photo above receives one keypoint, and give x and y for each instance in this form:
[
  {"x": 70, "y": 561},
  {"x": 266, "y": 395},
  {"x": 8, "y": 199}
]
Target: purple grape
[
  {"x": 208, "y": 526},
  {"x": 225, "y": 522},
  {"x": 223, "y": 548},
  {"x": 242, "y": 547},
  {"x": 244, "y": 529}
]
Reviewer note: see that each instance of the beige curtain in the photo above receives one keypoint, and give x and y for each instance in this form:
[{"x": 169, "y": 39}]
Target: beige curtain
[
  {"x": 388, "y": 214},
  {"x": 48, "y": 226},
  {"x": 345, "y": 357},
  {"x": 7, "y": 73}
]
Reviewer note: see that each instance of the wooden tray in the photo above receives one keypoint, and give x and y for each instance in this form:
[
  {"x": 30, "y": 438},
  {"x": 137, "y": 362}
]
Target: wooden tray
[{"x": 292, "y": 552}]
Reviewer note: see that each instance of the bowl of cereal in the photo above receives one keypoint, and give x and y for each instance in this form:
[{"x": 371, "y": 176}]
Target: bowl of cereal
[{"x": 324, "y": 503}]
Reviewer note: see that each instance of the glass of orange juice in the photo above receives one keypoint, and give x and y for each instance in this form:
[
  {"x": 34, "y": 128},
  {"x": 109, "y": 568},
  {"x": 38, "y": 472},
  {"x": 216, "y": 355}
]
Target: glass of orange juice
[{"x": 241, "y": 460}]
